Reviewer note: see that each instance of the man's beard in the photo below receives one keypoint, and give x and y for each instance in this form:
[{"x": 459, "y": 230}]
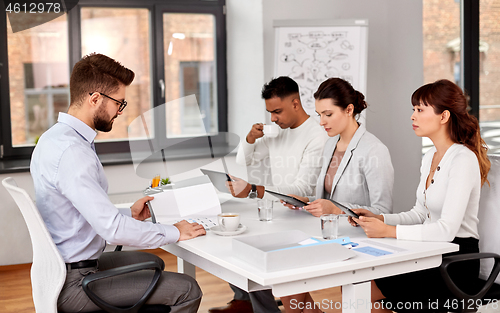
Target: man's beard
[{"x": 100, "y": 122}]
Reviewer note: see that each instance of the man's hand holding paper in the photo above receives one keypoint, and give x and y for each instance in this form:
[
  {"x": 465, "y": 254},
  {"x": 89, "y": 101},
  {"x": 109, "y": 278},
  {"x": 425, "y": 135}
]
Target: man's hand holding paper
[{"x": 193, "y": 198}]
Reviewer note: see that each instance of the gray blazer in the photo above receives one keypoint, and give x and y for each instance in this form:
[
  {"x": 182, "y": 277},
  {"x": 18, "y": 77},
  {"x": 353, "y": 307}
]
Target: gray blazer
[{"x": 365, "y": 176}]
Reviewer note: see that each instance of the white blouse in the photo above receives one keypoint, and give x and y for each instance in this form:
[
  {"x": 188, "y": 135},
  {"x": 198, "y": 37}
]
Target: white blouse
[{"x": 449, "y": 207}]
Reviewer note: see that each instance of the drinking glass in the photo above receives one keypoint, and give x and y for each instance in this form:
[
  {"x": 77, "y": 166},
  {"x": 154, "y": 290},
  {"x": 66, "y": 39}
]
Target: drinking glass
[
  {"x": 265, "y": 209},
  {"x": 329, "y": 226}
]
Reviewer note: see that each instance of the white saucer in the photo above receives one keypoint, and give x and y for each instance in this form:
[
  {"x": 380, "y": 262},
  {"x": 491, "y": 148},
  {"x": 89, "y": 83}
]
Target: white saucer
[{"x": 218, "y": 231}]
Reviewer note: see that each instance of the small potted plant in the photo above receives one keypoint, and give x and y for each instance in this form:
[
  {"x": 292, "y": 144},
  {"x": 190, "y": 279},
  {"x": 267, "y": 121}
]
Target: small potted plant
[{"x": 166, "y": 183}]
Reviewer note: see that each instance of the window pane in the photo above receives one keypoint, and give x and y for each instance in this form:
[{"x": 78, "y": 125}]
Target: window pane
[
  {"x": 122, "y": 34},
  {"x": 441, "y": 27},
  {"x": 489, "y": 75},
  {"x": 38, "y": 78},
  {"x": 190, "y": 69}
]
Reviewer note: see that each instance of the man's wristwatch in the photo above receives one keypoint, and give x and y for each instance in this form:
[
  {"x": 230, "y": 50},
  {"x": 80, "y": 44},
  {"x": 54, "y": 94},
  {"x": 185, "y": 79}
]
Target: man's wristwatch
[{"x": 253, "y": 193}]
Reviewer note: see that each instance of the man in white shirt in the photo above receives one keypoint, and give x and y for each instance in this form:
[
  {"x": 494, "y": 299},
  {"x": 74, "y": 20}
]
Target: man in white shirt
[
  {"x": 295, "y": 163},
  {"x": 294, "y": 155},
  {"x": 71, "y": 195}
]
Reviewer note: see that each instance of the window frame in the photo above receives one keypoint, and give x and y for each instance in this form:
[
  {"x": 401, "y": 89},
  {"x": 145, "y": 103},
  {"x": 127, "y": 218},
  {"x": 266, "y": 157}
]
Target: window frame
[
  {"x": 118, "y": 152},
  {"x": 469, "y": 59}
]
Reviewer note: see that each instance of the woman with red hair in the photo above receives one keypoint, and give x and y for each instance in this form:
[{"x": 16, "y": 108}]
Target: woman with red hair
[{"x": 452, "y": 173}]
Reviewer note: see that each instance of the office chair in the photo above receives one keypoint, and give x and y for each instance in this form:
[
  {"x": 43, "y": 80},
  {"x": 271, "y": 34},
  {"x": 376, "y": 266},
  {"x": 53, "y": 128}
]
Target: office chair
[
  {"x": 487, "y": 286},
  {"x": 48, "y": 271}
]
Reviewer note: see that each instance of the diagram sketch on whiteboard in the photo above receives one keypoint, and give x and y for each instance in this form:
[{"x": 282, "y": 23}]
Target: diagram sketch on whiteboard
[{"x": 313, "y": 54}]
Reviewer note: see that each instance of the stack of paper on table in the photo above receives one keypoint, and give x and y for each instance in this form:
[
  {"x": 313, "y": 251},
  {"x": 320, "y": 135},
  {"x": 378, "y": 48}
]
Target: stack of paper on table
[{"x": 286, "y": 250}]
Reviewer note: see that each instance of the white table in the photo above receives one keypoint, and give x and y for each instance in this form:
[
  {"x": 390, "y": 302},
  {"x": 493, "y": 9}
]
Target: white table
[{"x": 213, "y": 254}]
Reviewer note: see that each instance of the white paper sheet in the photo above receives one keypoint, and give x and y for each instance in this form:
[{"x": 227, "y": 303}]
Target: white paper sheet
[{"x": 194, "y": 198}]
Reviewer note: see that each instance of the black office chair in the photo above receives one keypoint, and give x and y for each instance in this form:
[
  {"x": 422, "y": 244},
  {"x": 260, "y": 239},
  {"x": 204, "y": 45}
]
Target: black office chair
[
  {"x": 484, "y": 289},
  {"x": 139, "y": 306},
  {"x": 481, "y": 292}
]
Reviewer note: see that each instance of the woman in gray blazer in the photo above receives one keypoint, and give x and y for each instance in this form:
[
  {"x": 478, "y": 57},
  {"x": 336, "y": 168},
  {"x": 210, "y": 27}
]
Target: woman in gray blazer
[{"x": 356, "y": 171}]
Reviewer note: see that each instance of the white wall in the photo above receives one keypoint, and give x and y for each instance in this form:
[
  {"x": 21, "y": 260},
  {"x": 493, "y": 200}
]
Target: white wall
[
  {"x": 395, "y": 70},
  {"x": 245, "y": 54},
  {"x": 15, "y": 243}
]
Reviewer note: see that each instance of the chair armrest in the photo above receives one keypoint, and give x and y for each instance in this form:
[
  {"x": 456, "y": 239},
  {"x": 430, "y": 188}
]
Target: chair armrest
[
  {"x": 469, "y": 257},
  {"x": 119, "y": 271}
]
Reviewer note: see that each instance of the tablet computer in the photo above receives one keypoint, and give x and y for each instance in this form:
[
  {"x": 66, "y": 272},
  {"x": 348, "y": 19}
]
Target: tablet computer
[
  {"x": 345, "y": 209},
  {"x": 288, "y": 199},
  {"x": 218, "y": 179}
]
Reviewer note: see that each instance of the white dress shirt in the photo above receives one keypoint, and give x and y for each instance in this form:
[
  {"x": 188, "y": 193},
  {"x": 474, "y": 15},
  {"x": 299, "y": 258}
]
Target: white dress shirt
[
  {"x": 71, "y": 195},
  {"x": 294, "y": 157},
  {"x": 449, "y": 207}
]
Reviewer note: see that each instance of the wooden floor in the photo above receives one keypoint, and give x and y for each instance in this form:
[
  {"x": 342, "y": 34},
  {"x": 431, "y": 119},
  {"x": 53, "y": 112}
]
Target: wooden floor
[{"x": 15, "y": 288}]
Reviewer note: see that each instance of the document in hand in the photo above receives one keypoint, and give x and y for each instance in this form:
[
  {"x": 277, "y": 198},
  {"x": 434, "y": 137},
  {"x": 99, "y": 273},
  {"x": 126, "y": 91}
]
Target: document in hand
[{"x": 187, "y": 199}]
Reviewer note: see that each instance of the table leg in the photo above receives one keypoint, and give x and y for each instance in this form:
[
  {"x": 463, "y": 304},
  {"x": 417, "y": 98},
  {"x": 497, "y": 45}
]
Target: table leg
[
  {"x": 356, "y": 298},
  {"x": 186, "y": 268}
]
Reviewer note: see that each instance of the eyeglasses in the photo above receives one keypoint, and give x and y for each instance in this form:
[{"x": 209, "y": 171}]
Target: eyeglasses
[{"x": 123, "y": 103}]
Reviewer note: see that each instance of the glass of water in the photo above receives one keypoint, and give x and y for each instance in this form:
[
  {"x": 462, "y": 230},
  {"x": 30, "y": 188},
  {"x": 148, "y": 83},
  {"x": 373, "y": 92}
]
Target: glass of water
[
  {"x": 329, "y": 226},
  {"x": 265, "y": 209}
]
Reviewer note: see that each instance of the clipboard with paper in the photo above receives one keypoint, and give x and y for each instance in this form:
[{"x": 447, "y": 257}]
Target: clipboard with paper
[{"x": 194, "y": 200}]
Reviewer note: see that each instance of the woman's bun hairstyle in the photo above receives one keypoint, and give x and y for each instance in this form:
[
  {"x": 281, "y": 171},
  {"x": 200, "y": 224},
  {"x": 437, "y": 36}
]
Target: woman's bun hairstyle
[{"x": 342, "y": 94}]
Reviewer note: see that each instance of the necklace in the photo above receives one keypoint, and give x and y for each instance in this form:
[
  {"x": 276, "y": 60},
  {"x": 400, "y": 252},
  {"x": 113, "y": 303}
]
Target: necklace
[{"x": 435, "y": 160}]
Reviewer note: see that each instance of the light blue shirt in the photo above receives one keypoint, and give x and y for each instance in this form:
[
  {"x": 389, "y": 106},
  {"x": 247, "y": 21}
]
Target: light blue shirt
[{"x": 71, "y": 195}]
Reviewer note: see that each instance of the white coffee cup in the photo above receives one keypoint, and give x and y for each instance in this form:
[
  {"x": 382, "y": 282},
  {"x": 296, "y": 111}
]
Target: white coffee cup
[
  {"x": 228, "y": 221},
  {"x": 271, "y": 130}
]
